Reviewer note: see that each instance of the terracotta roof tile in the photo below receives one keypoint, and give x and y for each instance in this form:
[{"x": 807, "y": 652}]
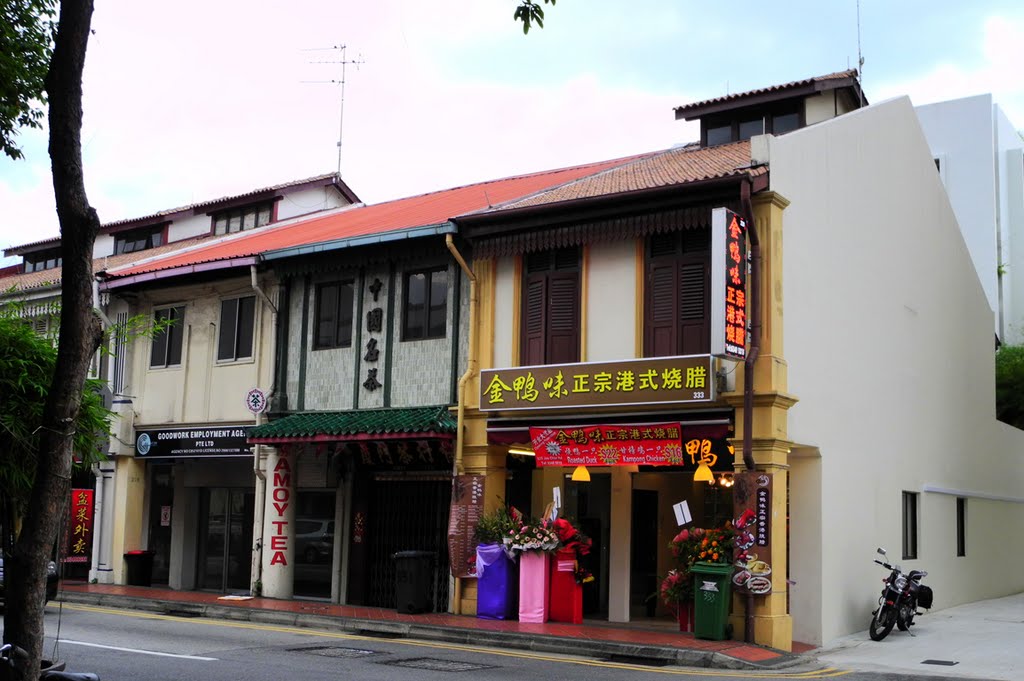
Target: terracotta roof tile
[
  {"x": 828, "y": 80},
  {"x": 672, "y": 167},
  {"x": 416, "y": 211}
]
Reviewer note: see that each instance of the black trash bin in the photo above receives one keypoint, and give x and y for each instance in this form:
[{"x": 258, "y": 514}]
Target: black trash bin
[
  {"x": 414, "y": 572},
  {"x": 139, "y": 566}
]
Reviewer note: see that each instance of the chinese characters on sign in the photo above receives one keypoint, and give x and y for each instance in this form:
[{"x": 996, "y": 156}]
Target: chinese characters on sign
[
  {"x": 374, "y": 324},
  {"x": 80, "y": 528},
  {"x": 728, "y": 284},
  {"x": 467, "y": 506},
  {"x": 658, "y": 444},
  {"x": 752, "y": 500},
  {"x": 655, "y": 380}
]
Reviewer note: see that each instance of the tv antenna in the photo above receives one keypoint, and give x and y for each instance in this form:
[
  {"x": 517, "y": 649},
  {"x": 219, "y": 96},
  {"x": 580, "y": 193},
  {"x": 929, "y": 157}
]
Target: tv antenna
[
  {"x": 344, "y": 61},
  {"x": 860, "y": 59}
]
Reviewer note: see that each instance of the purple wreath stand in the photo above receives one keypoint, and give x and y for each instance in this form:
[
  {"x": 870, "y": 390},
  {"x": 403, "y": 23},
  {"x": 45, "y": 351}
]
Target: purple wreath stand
[{"x": 497, "y": 585}]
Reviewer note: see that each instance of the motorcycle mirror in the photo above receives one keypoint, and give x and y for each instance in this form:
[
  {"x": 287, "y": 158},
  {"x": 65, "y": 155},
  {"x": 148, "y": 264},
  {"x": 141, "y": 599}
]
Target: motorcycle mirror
[{"x": 880, "y": 550}]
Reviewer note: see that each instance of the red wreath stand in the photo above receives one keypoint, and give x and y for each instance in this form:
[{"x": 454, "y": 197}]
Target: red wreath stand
[
  {"x": 684, "y": 611},
  {"x": 566, "y": 603}
]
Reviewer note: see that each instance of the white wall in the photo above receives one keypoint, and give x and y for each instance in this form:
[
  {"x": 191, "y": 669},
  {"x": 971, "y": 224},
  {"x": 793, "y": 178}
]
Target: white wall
[
  {"x": 1010, "y": 188},
  {"x": 890, "y": 349},
  {"x": 307, "y": 201},
  {"x": 611, "y": 295}
]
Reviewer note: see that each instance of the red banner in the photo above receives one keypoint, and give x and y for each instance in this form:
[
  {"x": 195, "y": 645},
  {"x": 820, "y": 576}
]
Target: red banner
[
  {"x": 656, "y": 444},
  {"x": 80, "y": 527}
]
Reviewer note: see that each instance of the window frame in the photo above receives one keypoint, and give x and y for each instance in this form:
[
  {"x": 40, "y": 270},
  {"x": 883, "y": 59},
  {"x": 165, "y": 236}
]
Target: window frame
[
  {"x": 338, "y": 323},
  {"x": 43, "y": 260},
  {"x": 171, "y": 335},
  {"x": 409, "y": 334},
  {"x": 144, "y": 235},
  {"x": 911, "y": 530},
  {"x": 237, "y": 215},
  {"x": 961, "y": 527},
  {"x": 237, "y": 330}
]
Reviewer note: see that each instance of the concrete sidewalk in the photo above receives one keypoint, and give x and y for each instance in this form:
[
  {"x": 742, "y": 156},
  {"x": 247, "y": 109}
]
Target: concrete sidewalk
[{"x": 984, "y": 639}]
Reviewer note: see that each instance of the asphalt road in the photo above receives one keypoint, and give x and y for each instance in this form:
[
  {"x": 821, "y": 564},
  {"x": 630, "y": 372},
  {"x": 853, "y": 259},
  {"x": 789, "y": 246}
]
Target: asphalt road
[{"x": 122, "y": 645}]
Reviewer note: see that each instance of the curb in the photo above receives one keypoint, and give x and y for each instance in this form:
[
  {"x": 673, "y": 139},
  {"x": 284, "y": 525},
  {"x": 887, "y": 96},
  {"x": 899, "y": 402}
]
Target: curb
[{"x": 540, "y": 643}]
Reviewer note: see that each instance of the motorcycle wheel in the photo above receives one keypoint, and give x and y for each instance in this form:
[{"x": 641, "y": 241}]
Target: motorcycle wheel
[
  {"x": 882, "y": 623},
  {"x": 905, "y": 619}
]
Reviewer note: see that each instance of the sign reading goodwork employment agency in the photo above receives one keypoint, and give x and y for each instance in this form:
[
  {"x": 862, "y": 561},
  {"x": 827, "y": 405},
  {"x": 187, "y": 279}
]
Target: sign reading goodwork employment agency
[
  {"x": 651, "y": 380},
  {"x": 193, "y": 442}
]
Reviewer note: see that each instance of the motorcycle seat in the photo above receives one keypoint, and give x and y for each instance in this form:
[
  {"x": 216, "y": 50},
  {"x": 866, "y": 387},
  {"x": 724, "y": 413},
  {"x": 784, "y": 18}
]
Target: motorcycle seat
[{"x": 917, "y": 575}]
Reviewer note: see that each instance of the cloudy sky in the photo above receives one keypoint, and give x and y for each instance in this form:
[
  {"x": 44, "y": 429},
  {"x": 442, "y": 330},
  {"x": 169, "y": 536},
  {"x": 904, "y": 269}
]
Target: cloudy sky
[{"x": 193, "y": 100}]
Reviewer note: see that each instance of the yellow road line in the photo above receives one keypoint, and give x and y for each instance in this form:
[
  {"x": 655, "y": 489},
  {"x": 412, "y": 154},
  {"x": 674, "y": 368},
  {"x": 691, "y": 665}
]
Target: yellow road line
[{"x": 746, "y": 674}]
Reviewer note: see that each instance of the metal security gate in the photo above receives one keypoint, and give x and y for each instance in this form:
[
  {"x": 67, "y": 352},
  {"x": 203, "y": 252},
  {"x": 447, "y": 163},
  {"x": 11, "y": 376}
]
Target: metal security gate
[{"x": 408, "y": 514}]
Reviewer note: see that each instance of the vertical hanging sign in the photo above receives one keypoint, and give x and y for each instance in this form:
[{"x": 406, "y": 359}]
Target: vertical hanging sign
[
  {"x": 80, "y": 527},
  {"x": 728, "y": 284},
  {"x": 374, "y": 324}
]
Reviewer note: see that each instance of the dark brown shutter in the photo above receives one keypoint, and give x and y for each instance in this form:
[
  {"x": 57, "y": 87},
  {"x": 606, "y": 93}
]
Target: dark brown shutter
[
  {"x": 563, "y": 333},
  {"x": 534, "y": 333},
  {"x": 660, "y": 323},
  {"x": 694, "y": 311}
]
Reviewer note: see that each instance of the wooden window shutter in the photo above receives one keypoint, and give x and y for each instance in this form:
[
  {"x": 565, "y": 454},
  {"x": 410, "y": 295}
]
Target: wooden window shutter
[
  {"x": 534, "y": 334},
  {"x": 661, "y": 323},
  {"x": 563, "y": 332},
  {"x": 694, "y": 310}
]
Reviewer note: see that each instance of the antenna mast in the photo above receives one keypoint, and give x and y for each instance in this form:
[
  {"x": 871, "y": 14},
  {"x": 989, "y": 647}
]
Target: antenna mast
[
  {"x": 344, "y": 61},
  {"x": 860, "y": 59}
]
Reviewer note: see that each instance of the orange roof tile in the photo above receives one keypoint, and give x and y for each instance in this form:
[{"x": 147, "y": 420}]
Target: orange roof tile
[
  {"x": 416, "y": 211},
  {"x": 826, "y": 82}
]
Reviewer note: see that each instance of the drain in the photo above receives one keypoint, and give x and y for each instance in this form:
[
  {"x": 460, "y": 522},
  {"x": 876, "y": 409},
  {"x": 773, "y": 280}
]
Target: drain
[
  {"x": 334, "y": 651},
  {"x": 436, "y": 665},
  {"x": 183, "y": 613},
  {"x": 942, "y": 663},
  {"x": 372, "y": 633},
  {"x": 642, "y": 661}
]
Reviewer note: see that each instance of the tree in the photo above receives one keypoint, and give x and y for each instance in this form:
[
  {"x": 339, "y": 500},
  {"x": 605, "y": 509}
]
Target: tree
[
  {"x": 80, "y": 328},
  {"x": 530, "y": 13},
  {"x": 1010, "y": 385},
  {"x": 26, "y": 32}
]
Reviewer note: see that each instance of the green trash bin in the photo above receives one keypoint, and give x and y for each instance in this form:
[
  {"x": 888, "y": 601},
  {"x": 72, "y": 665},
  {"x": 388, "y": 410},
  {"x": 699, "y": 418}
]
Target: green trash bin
[{"x": 712, "y": 584}]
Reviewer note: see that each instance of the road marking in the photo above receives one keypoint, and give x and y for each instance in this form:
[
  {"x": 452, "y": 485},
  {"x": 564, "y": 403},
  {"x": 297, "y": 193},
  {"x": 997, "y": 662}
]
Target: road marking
[
  {"x": 827, "y": 673},
  {"x": 140, "y": 652}
]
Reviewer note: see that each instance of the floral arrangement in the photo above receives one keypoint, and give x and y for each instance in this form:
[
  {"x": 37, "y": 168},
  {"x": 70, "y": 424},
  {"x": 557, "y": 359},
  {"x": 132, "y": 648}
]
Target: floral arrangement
[
  {"x": 579, "y": 543},
  {"x": 494, "y": 526},
  {"x": 532, "y": 536},
  {"x": 690, "y": 546}
]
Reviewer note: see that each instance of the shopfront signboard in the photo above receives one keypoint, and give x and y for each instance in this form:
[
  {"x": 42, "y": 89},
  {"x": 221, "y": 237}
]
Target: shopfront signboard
[
  {"x": 752, "y": 505},
  {"x": 728, "y": 284},
  {"x": 466, "y": 508},
  {"x": 646, "y": 381},
  {"x": 79, "y": 544},
  {"x": 199, "y": 441}
]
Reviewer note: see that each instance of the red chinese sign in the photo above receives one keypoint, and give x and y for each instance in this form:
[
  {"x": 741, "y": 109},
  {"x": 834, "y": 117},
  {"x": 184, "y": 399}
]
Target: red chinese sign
[
  {"x": 80, "y": 528},
  {"x": 729, "y": 284},
  {"x": 649, "y": 445}
]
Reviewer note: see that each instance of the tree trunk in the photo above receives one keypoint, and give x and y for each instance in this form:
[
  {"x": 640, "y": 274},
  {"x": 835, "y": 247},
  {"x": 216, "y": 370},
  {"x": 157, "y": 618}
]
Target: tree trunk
[{"x": 80, "y": 335}]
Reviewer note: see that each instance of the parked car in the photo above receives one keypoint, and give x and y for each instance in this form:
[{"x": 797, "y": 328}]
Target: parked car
[
  {"x": 314, "y": 539},
  {"x": 51, "y": 582}
]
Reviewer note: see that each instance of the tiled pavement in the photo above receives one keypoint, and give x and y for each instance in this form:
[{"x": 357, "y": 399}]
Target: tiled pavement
[{"x": 591, "y": 638}]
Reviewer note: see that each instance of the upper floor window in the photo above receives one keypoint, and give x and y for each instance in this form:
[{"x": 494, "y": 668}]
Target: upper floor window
[
  {"x": 425, "y": 314},
  {"x": 677, "y": 301},
  {"x": 166, "y": 350},
  {"x": 334, "y": 303},
  {"x": 551, "y": 307},
  {"x": 43, "y": 260},
  {"x": 138, "y": 240},
  {"x": 243, "y": 217},
  {"x": 237, "y": 323},
  {"x": 740, "y": 126}
]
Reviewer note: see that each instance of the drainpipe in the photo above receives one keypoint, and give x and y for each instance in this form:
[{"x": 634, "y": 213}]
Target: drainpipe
[
  {"x": 261, "y": 485},
  {"x": 471, "y": 370},
  {"x": 755, "y": 326},
  {"x": 471, "y": 363}
]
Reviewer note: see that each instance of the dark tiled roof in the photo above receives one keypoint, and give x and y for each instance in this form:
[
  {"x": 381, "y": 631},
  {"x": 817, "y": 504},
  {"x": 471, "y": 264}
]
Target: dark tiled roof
[
  {"x": 817, "y": 83},
  {"x": 680, "y": 166},
  {"x": 326, "y": 425}
]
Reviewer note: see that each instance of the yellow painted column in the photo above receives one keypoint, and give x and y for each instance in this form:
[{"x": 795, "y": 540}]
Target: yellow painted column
[{"x": 129, "y": 498}]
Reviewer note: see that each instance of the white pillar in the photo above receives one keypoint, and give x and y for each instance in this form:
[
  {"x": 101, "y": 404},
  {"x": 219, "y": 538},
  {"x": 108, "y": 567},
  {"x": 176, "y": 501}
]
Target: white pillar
[
  {"x": 620, "y": 541},
  {"x": 279, "y": 525}
]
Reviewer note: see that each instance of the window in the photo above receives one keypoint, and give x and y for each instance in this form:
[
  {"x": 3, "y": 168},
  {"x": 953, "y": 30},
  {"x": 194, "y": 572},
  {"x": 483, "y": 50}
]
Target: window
[
  {"x": 721, "y": 134},
  {"x": 677, "y": 301},
  {"x": 426, "y": 304},
  {"x": 166, "y": 349},
  {"x": 245, "y": 217},
  {"x": 783, "y": 123},
  {"x": 909, "y": 525},
  {"x": 750, "y": 128},
  {"x": 138, "y": 240},
  {"x": 44, "y": 260},
  {"x": 334, "y": 315},
  {"x": 551, "y": 307},
  {"x": 961, "y": 526},
  {"x": 237, "y": 321}
]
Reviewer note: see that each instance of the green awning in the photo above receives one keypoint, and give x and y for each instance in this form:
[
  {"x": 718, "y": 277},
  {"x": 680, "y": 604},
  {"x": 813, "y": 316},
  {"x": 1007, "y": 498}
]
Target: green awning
[{"x": 358, "y": 424}]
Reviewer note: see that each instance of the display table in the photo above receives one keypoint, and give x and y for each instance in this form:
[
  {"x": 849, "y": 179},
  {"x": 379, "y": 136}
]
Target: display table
[
  {"x": 497, "y": 584},
  {"x": 534, "y": 586},
  {"x": 566, "y": 594}
]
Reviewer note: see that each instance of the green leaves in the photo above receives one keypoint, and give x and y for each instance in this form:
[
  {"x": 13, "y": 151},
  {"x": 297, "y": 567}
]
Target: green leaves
[
  {"x": 531, "y": 13},
  {"x": 1010, "y": 385},
  {"x": 27, "y": 30}
]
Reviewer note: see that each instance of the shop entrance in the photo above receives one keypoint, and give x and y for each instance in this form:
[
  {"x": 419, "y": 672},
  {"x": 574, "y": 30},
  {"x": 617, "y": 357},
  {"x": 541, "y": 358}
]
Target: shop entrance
[
  {"x": 161, "y": 499},
  {"x": 590, "y": 504},
  {"x": 225, "y": 538}
]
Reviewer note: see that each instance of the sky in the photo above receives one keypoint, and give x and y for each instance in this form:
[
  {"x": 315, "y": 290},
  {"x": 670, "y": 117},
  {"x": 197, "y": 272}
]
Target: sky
[{"x": 193, "y": 100}]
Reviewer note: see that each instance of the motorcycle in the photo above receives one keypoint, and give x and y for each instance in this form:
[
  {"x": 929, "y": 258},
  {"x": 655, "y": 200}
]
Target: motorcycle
[
  {"x": 49, "y": 671},
  {"x": 901, "y": 596}
]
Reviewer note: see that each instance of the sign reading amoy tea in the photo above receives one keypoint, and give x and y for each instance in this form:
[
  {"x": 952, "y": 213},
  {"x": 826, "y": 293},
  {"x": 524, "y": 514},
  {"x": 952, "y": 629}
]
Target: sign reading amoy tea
[
  {"x": 192, "y": 442},
  {"x": 79, "y": 544},
  {"x": 728, "y": 284},
  {"x": 653, "y": 380},
  {"x": 752, "y": 503}
]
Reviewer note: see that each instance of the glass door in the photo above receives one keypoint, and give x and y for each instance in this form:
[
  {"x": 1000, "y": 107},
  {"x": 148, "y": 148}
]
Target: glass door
[{"x": 225, "y": 538}]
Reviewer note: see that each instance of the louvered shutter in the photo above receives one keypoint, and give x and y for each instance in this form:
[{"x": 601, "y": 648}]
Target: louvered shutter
[
  {"x": 661, "y": 323},
  {"x": 563, "y": 332},
  {"x": 694, "y": 309},
  {"x": 534, "y": 334}
]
